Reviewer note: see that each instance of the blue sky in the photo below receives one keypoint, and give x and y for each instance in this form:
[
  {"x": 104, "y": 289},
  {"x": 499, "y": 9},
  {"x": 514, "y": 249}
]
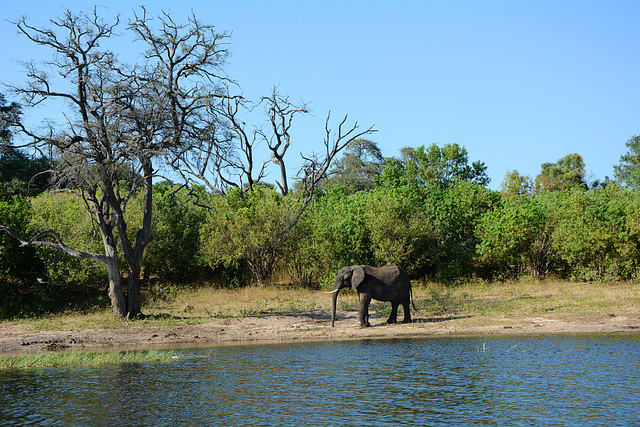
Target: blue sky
[{"x": 518, "y": 83}]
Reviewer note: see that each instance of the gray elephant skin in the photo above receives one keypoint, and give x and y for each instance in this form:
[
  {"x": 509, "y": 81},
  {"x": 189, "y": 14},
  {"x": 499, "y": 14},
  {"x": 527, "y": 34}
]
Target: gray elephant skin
[{"x": 388, "y": 283}]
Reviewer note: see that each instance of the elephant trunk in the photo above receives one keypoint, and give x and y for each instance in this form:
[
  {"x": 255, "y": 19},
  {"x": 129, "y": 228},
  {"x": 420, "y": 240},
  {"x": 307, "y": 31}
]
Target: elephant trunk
[{"x": 333, "y": 306}]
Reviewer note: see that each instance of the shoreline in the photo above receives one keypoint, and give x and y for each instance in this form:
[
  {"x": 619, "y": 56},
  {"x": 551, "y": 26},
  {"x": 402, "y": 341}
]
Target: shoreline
[{"x": 21, "y": 338}]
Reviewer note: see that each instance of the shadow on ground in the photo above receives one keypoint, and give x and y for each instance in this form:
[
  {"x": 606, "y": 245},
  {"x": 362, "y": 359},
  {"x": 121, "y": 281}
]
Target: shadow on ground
[
  {"x": 439, "y": 319},
  {"x": 317, "y": 316}
]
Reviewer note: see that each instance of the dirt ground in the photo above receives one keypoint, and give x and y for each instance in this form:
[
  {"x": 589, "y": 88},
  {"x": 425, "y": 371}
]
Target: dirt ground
[{"x": 316, "y": 325}]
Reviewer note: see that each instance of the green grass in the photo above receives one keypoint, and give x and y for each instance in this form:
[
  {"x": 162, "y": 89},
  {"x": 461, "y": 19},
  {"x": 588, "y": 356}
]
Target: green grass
[{"x": 83, "y": 359}]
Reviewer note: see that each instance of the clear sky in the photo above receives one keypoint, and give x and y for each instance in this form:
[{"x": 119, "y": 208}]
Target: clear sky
[{"x": 517, "y": 82}]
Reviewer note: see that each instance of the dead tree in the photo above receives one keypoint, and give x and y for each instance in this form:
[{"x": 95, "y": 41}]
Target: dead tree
[
  {"x": 316, "y": 167},
  {"x": 122, "y": 119},
  {"x": 245, "y": 171},
  {"x": 280, "y": 113}
]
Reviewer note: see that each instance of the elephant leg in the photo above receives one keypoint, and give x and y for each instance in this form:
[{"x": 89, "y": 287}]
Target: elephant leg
[
  {"x": 407, "y": 312},
  {"x": 365, "y": 299},
  {"x": 393, "y": 317}
]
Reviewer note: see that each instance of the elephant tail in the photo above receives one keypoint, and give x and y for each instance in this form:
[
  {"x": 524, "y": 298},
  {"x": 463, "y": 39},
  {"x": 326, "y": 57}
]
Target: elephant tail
[{"x": 411, "y": 297}]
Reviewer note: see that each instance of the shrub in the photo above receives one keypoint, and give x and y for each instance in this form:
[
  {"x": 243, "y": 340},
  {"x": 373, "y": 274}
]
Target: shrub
[
  {"x": 596, "y": 234},
  {"x": 516, "y": 236},
  {"x": 255, "y": 227},
  {"x": 20, "y": 291},
  {"x": 173, "y": 256},
  {"x": 65, "y": 214},
  {"x": 401, "y": 231}
]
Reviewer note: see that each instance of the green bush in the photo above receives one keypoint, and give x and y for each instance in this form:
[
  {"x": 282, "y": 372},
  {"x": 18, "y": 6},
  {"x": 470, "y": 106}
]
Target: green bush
[
  {"x": 401, "y": 231},
  {"x": 302, "y": 261},
  {"x": 595, "y": 233},
  {"x": 173, "y": 256},
  {"x": 254, "y": 228},
  {"x": 456, "y": 211},
  {"x": 516, "y": 236},
  {"x": 21, "y": 293},
  {"x": 340, "y": 229},
  {"x": 67, "y": 216}
]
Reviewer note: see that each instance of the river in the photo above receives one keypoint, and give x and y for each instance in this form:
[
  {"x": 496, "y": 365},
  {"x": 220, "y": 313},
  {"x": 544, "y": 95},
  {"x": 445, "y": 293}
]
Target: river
[{"x": 538, "y": 380}]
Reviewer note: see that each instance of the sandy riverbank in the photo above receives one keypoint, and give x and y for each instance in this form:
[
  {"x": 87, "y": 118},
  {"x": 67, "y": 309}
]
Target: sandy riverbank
[{"x": 313, "y": 325}]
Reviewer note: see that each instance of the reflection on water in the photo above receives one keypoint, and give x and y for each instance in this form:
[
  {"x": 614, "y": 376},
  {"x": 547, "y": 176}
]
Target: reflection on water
[{"x": 525, "y": 380}]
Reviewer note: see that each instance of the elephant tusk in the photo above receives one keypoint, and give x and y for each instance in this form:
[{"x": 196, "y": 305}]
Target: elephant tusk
[{"x": 333, "y": 291}]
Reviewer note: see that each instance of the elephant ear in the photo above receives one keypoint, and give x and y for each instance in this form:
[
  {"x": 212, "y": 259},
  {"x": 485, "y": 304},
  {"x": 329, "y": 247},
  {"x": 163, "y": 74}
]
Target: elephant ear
[{"x": 357, "y": 277}]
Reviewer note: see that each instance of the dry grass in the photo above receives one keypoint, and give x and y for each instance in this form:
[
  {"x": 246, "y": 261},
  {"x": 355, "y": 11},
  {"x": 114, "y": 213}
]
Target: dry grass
[
  {"x": 530, "y": 298},
  {"x": 195, "y": 303},
  {"x": 475, "y": 300},
  {"x": 188, "y": 306},
  {"x": 99, "y": 318}
]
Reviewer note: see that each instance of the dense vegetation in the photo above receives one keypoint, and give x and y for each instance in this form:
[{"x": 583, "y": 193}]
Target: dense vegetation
[{"x": 429, "y": 212}]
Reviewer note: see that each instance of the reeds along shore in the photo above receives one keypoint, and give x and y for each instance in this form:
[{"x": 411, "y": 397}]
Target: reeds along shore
[{"x": 54, "y": 359}]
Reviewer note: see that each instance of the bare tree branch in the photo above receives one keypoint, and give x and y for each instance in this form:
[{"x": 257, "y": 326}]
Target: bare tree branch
[
  {"x": 315, "y": 167},
  {"x": 58, "y": 244},
  {"x": 280, "y": 113}
]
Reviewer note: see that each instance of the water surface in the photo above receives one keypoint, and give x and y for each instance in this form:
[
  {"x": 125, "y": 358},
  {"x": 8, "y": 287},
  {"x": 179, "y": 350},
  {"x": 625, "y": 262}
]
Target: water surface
[{"x": 547, "y": 380}]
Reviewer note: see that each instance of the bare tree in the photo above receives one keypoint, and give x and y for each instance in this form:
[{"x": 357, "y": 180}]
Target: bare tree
[
  {"x": 240, "y": 167},
  {"x": 280, "y": 113},
  {"x": 242, "y": 164},
  {"x": 258, "y": 244},
  {"x": 121, "y": 120},
  {"x": 316, "y": 167}
]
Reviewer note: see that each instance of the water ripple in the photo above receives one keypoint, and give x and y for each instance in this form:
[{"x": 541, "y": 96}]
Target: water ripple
[{"x": 493, "y": 381}]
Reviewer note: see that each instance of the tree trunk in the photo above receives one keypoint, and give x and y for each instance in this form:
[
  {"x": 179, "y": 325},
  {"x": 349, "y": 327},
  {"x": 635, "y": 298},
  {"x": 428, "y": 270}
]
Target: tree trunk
[
  {"x": 133, "y": 294},
  {"x": 118, "y": 303},
  {"x": 133, "y": 255}
]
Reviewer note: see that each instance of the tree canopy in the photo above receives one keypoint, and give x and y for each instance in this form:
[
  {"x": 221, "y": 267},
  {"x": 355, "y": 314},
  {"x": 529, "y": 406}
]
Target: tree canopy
[
  {"x": 515, "y": 184},
  {"x": 628, "y": 171},
  {"x": 360, "y": 163},
  {"x": 9, "y": 113},
  {"x": 568, "y": 172},
  {"x": 439, "y": 168}
]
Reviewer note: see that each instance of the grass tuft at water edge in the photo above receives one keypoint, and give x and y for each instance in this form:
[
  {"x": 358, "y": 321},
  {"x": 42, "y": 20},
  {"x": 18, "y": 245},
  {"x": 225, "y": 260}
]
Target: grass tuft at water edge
[{"x": 84, "y": 359}]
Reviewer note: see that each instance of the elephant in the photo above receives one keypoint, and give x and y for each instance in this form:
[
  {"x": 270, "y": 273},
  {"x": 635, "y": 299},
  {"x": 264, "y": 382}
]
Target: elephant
[{"x": 387, "y": 283}]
